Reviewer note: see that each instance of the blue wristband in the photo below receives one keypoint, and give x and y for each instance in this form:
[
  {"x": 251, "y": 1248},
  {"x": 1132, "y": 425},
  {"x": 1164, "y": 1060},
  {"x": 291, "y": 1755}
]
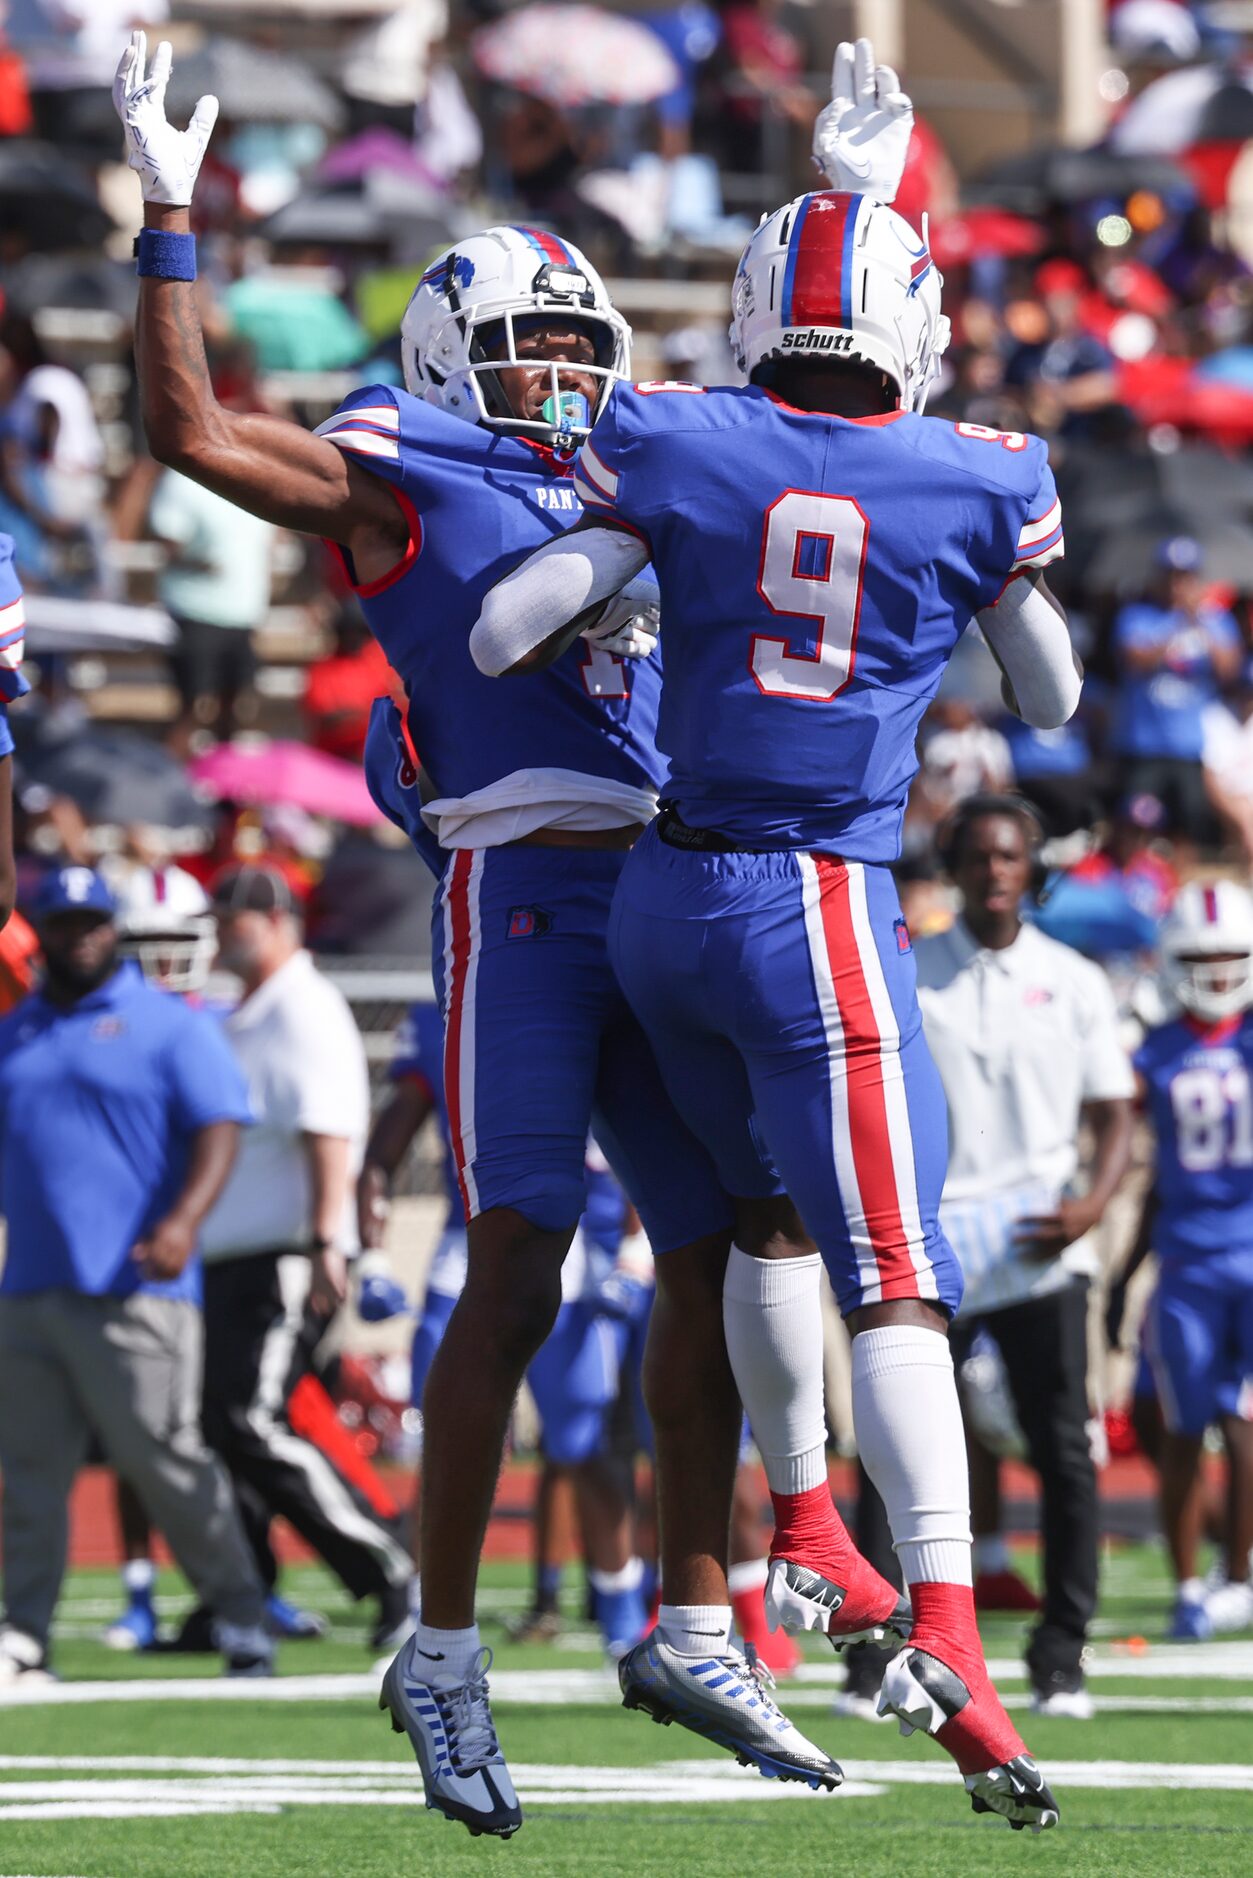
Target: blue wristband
[{"x": 165, "y": 256}]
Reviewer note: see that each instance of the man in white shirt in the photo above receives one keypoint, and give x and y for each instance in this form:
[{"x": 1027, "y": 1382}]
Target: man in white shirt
[
  {"x": 1024, "y": 1033},
  {"x": 1227, "y": 757},
  {"x": 275, "y": 1244}
]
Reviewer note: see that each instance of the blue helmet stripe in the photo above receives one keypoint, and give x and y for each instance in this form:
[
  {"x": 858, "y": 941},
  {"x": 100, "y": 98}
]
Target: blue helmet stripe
[{"x": 789, "y": 271}]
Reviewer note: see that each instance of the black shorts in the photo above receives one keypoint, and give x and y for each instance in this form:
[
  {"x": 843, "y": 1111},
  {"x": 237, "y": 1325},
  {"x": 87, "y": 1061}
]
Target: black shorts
[{"x": 208, "y": 661}]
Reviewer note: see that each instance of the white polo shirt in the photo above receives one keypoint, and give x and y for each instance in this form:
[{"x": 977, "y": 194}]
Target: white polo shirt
[
  {"x": 304, "y": 1061},
  {"x": 1022, "y": 1038}
]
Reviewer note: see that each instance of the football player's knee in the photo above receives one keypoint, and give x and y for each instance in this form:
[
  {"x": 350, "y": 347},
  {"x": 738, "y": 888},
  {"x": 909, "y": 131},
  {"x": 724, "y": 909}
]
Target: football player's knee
[{"x": 516, "y": 1317}]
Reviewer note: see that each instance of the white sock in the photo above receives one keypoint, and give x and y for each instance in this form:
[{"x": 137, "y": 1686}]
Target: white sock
[
  {"x": 138, "y": 1574},
  {"x": 628, "y": 1579},
  {"x": 909, "y": 1434},
  {"x": 772, "y": 1314},
  {"x": 1192, "y": 1590},
  {"x": 991, "y": 1553},
  {"x": 750, "y": 1576},
  {"x": 696, "y": 1629},
  {"x": 444, "y": 1656}
]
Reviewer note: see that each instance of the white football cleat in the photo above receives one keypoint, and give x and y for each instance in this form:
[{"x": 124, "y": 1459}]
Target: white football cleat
[
  {"x": 1230, "y": 1607},
  {"x": 451, "y": 1731},
  {"x": 22, "y": 1658},
  {"x": 727, "y": 1700}
]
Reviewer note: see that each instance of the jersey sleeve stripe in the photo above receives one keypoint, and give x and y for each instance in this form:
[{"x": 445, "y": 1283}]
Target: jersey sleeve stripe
[
  {"x": 1051, "y": 550},
  {"x": 594, "y": 470},
  {"x": 586, "y": 493},
  {"x": 385, "y": 416},
  {"x": 1041, "y": 527},
  {"x": 365, "y": 443}
]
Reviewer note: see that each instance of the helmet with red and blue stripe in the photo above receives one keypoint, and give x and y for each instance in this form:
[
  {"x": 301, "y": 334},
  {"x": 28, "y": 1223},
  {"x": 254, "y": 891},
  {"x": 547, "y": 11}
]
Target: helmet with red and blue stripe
[
  {"x": 462, "y": 324},
  {"x": 832, "y": 276}
]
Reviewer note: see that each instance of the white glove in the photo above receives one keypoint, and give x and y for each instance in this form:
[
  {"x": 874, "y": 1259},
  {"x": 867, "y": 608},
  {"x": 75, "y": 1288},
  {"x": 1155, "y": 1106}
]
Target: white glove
[
  {"x": 168, "y": 160},
  {"x": 626, "y": 628},
  {"x": 862, "y": 137}
]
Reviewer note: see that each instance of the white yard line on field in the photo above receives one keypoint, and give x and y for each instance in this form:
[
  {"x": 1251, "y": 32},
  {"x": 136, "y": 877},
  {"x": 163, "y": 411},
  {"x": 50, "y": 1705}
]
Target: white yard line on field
[{"x": 1220, "y": 1662}]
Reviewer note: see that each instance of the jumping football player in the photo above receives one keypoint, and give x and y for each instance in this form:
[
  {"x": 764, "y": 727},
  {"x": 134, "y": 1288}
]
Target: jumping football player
[
  {"x": 820, "y": 547},
  {"x": 510, "y": 346},
  {"x": 1196, "y": 1081}
]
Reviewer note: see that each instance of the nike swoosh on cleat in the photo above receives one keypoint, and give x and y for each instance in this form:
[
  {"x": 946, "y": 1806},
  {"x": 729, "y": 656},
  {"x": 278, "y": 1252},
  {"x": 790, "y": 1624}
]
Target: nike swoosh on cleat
[{"x": 432, "y": 1656}]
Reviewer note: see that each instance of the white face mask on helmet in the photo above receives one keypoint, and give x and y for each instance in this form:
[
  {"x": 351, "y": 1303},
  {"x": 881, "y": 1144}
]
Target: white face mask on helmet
[
  {"x": 164, "y": 923},
  {"x": 459, "y": 328},
  {"x": 833, "y": 276},
  {"x": 1207, "y": 949}
]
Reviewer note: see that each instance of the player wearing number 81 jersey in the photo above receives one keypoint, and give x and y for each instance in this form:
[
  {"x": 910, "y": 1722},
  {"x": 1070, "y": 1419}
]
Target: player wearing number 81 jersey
[
  {"x": 1196, "y": 1078},
  {"x": 820, "y": 547}
]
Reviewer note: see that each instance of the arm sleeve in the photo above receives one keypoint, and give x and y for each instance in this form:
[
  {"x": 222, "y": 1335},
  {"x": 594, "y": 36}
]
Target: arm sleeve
[
  {"x": 208, "y": 1083},
  {"x": 549, "y": 589},
  {"x": 1107, "y": 1073},
  {"x": 1032, "y": 643}
]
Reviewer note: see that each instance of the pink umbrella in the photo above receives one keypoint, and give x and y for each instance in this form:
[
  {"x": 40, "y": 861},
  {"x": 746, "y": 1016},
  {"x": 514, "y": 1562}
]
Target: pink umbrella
[
  {"x": 575, "y": 55},
  {"x": 290, "y": 773}
]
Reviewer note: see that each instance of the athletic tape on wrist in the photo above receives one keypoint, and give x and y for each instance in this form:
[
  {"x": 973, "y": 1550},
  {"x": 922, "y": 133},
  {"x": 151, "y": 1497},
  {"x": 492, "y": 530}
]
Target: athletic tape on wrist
[{"x": 161, "y": 255}]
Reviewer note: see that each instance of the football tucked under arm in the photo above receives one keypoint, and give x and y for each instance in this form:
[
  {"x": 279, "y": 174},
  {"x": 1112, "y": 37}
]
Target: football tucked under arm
[
  {"x": 1026, "y": 631},
  {"x": 558, "y": 590}
]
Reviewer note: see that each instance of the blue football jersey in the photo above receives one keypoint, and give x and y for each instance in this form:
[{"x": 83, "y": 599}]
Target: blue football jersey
[
  {"x": 1199, "y": 1096},
  {"x": 477, "y": 503},
  {"x": 816, "y": 573}
]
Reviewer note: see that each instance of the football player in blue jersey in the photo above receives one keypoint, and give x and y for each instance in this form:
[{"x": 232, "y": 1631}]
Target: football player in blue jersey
[
  {"x": 574, "y": 1376},
  {"x": 820, "y": 547},
  {"x": 510, "y": 346},
  {"x": 1196, "y": 1081}
]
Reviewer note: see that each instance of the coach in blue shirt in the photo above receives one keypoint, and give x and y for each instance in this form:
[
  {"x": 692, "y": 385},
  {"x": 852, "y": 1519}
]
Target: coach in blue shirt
[{"x": 120, "y": 1110}]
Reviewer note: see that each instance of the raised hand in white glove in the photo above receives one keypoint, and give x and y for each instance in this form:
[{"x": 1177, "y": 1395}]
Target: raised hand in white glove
[
  {"x": 862, "y": 137},
  {"x": 168, "y": 160},
  {"x": 628, "y": 623}
]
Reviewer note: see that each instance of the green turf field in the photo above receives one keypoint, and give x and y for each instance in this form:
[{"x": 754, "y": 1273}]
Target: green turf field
[{"x": 196, "y": 1786}]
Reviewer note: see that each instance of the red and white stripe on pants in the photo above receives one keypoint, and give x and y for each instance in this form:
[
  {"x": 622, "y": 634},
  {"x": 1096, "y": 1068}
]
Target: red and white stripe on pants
[
  {"x": 462, "y": 945},
  {"x": 871, "y": 1132}
]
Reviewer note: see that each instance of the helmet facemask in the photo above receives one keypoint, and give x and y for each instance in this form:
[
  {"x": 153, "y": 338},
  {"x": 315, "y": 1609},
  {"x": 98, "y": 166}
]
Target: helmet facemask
[
  {"x": 1212, "y": 987},
  {"x": 177, "y": 958},
  {"x": 454, "y": 358}
]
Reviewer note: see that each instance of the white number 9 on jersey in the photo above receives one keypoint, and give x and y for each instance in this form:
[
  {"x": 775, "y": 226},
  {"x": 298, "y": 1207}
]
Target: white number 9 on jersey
[{"x": 813, "y": 562}]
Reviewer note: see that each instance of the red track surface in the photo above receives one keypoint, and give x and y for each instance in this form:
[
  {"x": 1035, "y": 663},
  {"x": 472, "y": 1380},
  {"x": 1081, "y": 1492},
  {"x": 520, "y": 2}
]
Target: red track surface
[{"x": 94, "y": 1529}]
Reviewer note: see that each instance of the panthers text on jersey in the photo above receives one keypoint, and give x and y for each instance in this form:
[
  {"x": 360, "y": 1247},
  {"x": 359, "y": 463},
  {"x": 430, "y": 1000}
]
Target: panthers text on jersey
[
  {"x": 476, "y": 502},
  {"x": 1198, "y": 1081},
  {"x": 816, "y": 573}
]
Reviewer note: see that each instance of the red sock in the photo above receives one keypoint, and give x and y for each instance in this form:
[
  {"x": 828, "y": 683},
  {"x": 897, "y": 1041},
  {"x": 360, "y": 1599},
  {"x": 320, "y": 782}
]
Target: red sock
[
  {"x": 808, "y": 1529},
  {"x": 981, "y": 1735}
]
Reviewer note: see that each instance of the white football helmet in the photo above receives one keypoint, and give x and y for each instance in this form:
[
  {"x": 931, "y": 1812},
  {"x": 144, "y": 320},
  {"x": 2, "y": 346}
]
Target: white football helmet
[
  {"x": 459, "y": 328},
  {"x": 165, "y": 923},
  {"x": 833, "y": 276},
  {"x": 1207, "y": 949}
]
